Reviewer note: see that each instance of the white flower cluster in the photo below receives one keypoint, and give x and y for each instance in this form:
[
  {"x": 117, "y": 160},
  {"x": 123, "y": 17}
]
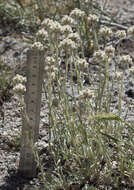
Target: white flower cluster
[
  {"x": 40, "y": 144},
  {"x": 67, "y": 20},
  {"x": 114, "y": 165},
  {"x": 110, "y": 50},
  {"x": 50, "y": 67},
  {"x": 118, "y": 75},
  {"x": 67, "y": 44},
  {"x": 92, "y": 18},
  {"x": 50, "y": 60},
  {"x": 47, "y": 22},
  {"x": 18, "y": 81},
  {"x": 125, "y": 59},
  {"x": 74, "y": 36},
  {"x": 121, "y": 34},
  {"x": 105, "y": 32},
  {"x": 66, "y": 29},
  {"x": 19, "y": 89},
  {"x": 53, "y": 75},
  {"x": 38, "y": 45},
  {"x": 130, "y": 30},
  {"x": 52, "y": 26},
  {"x": 86, "y": 93},
  {"x": 100, "y": 55},
  {"x": 82, "y": 62},
  {"x": 42, "y": 33},
  {"x": 132, "y": 70},
  {"x": 77, "y": 13},
  {"x": 106, "y": 54}
]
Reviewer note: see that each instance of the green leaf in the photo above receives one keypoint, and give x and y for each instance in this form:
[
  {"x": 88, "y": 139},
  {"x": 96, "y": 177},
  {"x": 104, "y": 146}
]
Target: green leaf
[
  {"x": 110, "y": 137},
  {"x": 110, "y": 117},
  {"x": 106, "y": 116}
]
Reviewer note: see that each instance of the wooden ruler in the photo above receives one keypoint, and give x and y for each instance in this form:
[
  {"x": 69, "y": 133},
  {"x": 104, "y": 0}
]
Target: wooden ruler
[{"x": 30, "y": 128}]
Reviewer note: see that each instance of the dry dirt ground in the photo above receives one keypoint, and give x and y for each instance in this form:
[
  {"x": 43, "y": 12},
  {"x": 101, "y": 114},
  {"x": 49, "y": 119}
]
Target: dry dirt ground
[{"x": 123, "y": 12}]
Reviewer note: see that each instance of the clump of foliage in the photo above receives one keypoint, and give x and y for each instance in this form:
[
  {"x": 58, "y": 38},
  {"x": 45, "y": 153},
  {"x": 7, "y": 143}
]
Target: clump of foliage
[
  {"x": 90, "y": 140},
  {"x": 28, "y": 14}
]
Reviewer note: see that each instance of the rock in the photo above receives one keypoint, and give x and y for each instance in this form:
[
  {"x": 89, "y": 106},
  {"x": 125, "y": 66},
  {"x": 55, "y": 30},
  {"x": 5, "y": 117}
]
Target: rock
[
  {"x": 2, "y": 47},
  {"x": 130, "y": 93},
  {"x": 13, "y": 52},
  {"x": 72, "y": 92}
]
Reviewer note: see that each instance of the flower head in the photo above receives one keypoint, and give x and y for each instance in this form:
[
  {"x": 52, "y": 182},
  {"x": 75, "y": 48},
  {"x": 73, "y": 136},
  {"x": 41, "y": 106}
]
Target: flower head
[
  {"x": 92, "y": 18},
  {"x": 19, "y": 89},
  {"x": 52, "y": 26},
  {"x": 105, "y": 32},
  {"x": 100, "y": 55},
  {"x": 38, "y": 45},
  {"x": 42, "y": 33},
  {"x": 131, "y": 30},
  {"x": 50, "y": 60},
  {"x": 67, "y": 20},
  {"x": 114, "y": 165},
  {"x": 82, "y": 62},
  {"x": 53, "y": 75},
  {"x": 74, "y": 36},
  {"x": 86, "y": 93},
  {"x": 67, "y": 29},
  {"x": 47, "y": 22},
  {"x": 132, "y": 70},
  {"x": 19, "y": 79},
  {"x": 118, "y": 75},
  {"x": 121, "y": 34},
  {"x": 67, "y": 44},
  {"x": 125, "y": 59},
  {"x": 77, "y": 13},
  {"x": 109, "y": 50}
]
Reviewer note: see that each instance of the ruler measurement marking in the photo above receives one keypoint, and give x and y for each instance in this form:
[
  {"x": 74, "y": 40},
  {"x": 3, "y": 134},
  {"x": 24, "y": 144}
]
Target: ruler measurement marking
[
  {"x": 33, "y": 86},
  {"x": 33, "y": 101}
]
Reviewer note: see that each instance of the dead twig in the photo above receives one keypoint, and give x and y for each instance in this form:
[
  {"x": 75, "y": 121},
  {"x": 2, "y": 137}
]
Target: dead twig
[{"x": 120, "y": 26}]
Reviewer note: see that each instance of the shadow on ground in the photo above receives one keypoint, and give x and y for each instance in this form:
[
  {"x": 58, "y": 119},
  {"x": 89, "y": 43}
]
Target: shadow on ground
[{"x": 15, "y": 181}]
